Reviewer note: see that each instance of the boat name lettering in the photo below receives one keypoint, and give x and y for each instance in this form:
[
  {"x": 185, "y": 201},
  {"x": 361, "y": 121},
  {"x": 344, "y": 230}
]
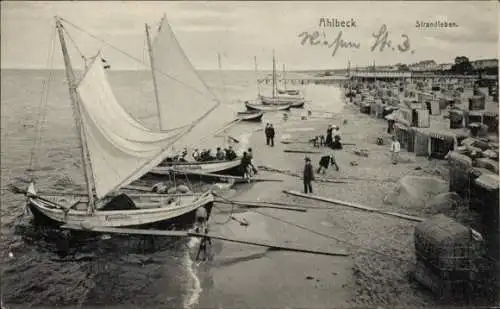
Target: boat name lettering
[
  {"x": 381, "y": 41},
  {"x": 116, "y": 217}
]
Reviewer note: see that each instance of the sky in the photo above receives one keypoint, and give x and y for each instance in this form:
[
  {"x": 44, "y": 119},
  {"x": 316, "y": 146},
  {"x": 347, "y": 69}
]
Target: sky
[{"x": 242, "y": 30}]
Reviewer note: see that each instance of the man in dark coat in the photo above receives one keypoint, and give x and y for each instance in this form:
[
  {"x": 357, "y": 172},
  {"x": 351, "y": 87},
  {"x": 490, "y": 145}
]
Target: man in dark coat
[
  {"x": 268, "y": 134},
  {"x": 271, "y": 134},
  {"x": 308, "y": 176},
  {"x": 245, "y": 165}
]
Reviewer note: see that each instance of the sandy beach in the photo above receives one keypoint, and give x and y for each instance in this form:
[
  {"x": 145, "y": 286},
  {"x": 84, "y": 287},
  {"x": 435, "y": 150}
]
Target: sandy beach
[{"x": 380, "y": 247}]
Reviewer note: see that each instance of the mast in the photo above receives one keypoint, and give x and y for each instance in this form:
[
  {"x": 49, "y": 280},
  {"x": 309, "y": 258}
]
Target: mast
[
  {"x": 256, "y": 74},
  {"x": 151, "y": 62},
  {"x": 70, "y": 76},
  {"x": 284, "y": 80},
  {"x": 274, "y": 76},
  {"x": 219, "y": 62}
]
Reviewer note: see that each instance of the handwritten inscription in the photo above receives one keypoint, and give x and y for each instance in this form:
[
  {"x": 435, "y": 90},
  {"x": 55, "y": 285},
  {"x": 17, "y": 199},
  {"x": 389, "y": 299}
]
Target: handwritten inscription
[
  {"x": 316, "y": 39},
  {"x": 381, "y": 41}
]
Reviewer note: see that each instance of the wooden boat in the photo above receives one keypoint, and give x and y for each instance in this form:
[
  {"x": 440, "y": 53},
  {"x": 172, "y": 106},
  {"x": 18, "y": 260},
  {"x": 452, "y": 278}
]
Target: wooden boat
[
  {"x": 250, "y": 116},
  {"x": 282, "y": 97},
  {"x": 116, "y": 150},
  {"x": 267, "y": 108},
  {"x": 294, "y": 102},
  {"x": 210, "y": 114},
  {"x": 216, "y": 166}
]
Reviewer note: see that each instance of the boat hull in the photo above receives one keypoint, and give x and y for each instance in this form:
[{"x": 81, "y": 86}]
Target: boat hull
[
  {"x": 294, "y": 102},
  {"x": 46, "y": 212},
  {"x": 251, "y": 116},
  {"x": 204, "y": 167},
  {"x": 267, "y": 108}
]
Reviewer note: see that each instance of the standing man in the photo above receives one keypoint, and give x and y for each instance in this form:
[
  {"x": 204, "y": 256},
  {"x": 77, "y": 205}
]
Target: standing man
[
  {"x": 395, "y": 149},
  {"x": 271, "y": 134},
  {"x": 268, "y": 134},
  {"x": 308, "y": 176}
]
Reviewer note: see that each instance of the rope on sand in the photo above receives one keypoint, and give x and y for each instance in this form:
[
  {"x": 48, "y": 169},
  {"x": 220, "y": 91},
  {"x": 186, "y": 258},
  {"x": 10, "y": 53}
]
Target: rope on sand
[{"x": 328, "y": 236}]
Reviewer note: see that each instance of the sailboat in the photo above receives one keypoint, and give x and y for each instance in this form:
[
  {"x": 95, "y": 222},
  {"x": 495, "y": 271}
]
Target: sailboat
[
  {"x": 182, "y": 97},
  {"x": 285, "y": 90},
  {"x": 116, "y": 150},
  {"x": 255, "y": 107},
  {"x": 283, "y": 99}
]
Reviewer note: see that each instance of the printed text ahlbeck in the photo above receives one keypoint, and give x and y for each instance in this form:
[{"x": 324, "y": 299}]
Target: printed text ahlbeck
[{"x": 337, "y": 23}]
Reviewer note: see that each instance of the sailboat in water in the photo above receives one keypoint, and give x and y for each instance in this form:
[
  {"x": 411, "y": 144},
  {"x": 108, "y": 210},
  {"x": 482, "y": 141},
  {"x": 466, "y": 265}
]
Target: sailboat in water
[
  {"x": 294, "y": 100},
  {"x": 184, "y": 101},
  {"x": 285, "y": 90},
  {"x": 116, "y": 150}
]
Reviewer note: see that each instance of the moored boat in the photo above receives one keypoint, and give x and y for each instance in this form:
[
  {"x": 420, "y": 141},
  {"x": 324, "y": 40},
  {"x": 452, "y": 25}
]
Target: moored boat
[
  {"x": 215, "y": 166},
  {"x": 294, "y": 102},
  {"x": 210, "y": 114},
  {"x": 116, "y": 150},
  {"x": 250, "y": 116},
  {"x": 267, "y": 108}
]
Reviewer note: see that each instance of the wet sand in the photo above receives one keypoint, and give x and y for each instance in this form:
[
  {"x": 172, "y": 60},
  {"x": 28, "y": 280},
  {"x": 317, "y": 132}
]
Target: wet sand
[{"x": 380, "y": 247}]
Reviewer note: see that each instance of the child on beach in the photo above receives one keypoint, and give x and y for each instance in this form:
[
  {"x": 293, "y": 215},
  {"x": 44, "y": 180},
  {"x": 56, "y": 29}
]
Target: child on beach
[{"x": 395, "y": 149}]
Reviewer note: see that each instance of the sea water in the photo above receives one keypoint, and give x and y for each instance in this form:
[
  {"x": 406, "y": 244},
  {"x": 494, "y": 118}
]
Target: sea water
[{"x": 117, "y": 271}]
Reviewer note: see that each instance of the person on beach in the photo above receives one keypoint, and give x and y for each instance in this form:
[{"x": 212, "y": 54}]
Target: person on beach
[
  {"x": 336, "y": 139},
  {"x": 245, "y": 166},
  {"x": 325, "y": 161},
  {"x": 329, "y": 136},
  {"x": 395, "y": 149},
  {"x": 268, "y": 134},
  {"x": 250, "y": 155},
  {"x": 202, "y": 227},
  {"x": 308, "y": 176},
  {"x": 271, "y": 134}
]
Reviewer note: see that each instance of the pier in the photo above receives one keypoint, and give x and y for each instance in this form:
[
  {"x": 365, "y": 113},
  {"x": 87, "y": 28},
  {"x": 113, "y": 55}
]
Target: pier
[{"x": 305, "y": 79}]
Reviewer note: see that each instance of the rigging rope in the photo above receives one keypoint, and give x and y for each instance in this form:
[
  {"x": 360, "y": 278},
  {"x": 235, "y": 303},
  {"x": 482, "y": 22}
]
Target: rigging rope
[
  {"x": 140, "y": 61},
  {"x": 42, "y": 110},
  {"x": 82, "y": 55},
  {"x": 319, "y": 233}
]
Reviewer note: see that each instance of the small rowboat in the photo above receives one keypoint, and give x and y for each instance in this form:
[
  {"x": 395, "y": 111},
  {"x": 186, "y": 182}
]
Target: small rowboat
[
  {"x": 251, "y": 116},
  {"x": 267, "y": 108}
]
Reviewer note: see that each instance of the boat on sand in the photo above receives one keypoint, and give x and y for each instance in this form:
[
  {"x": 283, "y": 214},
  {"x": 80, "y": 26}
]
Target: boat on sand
[{"x": 250, "y": 115}]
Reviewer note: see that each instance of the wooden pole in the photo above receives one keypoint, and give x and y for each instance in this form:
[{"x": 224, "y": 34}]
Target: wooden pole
[
  {"x": 271, "y": 246},
  {"x": 261, "y": 205},
  {"x": 191, "y": 234},
  {"x": 355, "y": 205}
]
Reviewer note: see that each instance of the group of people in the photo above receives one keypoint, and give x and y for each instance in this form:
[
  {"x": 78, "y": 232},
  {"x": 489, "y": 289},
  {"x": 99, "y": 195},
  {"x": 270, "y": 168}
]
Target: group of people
[
  {"x": 220, "y": 154},
  {"x": 332, "y": 140},
  {"x": 270, "y": 132},
  {"x": 333, "y": 137}
]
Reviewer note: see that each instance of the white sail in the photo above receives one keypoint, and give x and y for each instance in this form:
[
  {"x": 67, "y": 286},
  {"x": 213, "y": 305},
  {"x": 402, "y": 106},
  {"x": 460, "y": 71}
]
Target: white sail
[
  {"x": 120, "y": 149},
  {"x": 184, "y": 98}
]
